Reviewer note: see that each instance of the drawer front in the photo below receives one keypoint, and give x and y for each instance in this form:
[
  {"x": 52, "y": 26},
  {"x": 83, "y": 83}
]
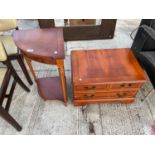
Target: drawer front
[
  {"x": 81, "y": 22},
  {"x": 124, "y": 86},
  {"x": 90, "y": 87},
  {"x": 89, "y": 96},
  {"x": 108, "y": 86}
]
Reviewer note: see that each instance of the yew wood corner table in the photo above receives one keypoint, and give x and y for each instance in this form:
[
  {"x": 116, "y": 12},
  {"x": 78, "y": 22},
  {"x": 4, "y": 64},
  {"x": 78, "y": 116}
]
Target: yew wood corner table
[
  {"x": 108, "y": 75},
  {"x": 45, "y": 46}
]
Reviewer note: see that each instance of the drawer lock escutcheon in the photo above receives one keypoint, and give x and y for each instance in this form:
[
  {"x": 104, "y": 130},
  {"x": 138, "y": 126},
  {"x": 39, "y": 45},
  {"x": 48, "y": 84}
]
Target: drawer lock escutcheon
[
  {"x": 89, "y": 96},
  {"x": 90, "y": 88}
]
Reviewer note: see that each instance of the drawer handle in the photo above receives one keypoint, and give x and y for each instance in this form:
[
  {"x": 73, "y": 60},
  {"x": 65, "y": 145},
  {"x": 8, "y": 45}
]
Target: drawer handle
[
  {"x": 129, "y": 84},
  {"x": 122, "y": 85},
  {"x": 118, "y": 95},
  {"x": 122, "y": 95},
  {"x": 89, "y": 88},
  {"x": 89, "y": 96}
]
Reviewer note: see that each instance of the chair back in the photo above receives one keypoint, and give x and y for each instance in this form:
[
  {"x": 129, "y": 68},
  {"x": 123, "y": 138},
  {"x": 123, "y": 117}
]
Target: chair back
[
  {"x": 143, "y": 34},
  {"x": 7, "y": 24},
  {"x": 3, "y": 55}
]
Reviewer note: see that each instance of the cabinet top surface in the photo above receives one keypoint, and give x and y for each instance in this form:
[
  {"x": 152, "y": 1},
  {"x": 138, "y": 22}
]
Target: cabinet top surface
[
  {"x": 105, "y": 66},
  {"x": 41, "y": 42}
]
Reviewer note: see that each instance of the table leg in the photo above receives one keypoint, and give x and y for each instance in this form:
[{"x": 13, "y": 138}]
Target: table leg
[
  {"x": 63, "y": 81},
  {"x": 31, "y": 68}
]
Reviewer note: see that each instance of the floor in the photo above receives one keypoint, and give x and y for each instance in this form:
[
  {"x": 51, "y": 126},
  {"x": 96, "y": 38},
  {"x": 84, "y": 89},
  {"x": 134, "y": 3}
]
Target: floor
[{"x": 52, "y": 117}]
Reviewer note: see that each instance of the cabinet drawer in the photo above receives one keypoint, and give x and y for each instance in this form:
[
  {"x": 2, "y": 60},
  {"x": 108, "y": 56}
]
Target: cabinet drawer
[
  {"x": 124, "y": 85},
  {"x": 85, "y": 96},
  {"x": 108, "y": 86},
  {"x": 90, "y": 87}
]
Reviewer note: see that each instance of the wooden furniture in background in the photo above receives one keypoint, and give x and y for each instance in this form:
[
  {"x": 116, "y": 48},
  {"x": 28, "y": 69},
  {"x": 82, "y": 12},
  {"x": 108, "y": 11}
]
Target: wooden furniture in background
[
  {"x": 5, "y": 76},
  {"x": 108, "y": 75},
  {"x": 88, "y": 32},
  {"x": 46, "y": 23},
  {"x": 80, "y": 22},
  {"x": 45, "y": 46},
  {"x": 11, "y": 49}
]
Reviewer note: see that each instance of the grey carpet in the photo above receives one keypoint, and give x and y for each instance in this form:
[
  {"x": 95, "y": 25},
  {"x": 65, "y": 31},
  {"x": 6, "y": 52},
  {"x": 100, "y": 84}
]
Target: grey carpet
[{"x": 52, "y": 117}]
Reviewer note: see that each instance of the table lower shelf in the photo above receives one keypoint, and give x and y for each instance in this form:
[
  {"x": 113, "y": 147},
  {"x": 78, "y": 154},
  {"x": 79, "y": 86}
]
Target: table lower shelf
[{"x": 50, "y": 88}]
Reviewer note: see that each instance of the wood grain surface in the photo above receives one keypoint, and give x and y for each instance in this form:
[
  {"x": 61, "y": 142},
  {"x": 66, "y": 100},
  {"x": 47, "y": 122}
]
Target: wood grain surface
[
  {"x": 106, "y": 66},
  {"x": 45, "y": 46},
  {"x": 45, "y": 43},
  {"x": 108, "y": 75}
]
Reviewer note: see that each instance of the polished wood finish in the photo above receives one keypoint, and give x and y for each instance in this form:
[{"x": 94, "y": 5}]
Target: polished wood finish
[
  {"x": 90, "y": 32},
  {"x": 50, "y": 88},
  {"x": 60, "y": 64},
  {"x": 45, "y": 46},
  {"x": 28, "y": 60},
  {"x": 109, "y": 75},
  {"x": 41, "y": 44}
]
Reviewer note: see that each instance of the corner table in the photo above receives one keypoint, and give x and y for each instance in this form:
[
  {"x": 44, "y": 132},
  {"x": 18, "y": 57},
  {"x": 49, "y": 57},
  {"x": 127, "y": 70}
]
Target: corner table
[{"x": 45, "y": 46}]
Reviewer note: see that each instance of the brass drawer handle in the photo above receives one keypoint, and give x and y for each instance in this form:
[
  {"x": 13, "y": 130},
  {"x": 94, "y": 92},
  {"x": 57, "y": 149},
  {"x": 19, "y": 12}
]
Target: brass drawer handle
[
  {"x": 122, "y": 85},
  {"x": 89, "y": 96},
  {"x": 90, "y": 88},
  {"x": 118, "y": 95},
  {"x": 122, "y": 95},
  {"x": 130, "y": 85}
]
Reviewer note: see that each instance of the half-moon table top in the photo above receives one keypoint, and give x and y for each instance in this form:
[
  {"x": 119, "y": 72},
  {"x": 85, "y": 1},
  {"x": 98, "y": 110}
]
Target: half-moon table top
[{"x": 41, "y": 43}]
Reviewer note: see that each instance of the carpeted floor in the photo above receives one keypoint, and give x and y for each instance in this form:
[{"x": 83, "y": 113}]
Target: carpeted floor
[{"x": 52, "y": 117}]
